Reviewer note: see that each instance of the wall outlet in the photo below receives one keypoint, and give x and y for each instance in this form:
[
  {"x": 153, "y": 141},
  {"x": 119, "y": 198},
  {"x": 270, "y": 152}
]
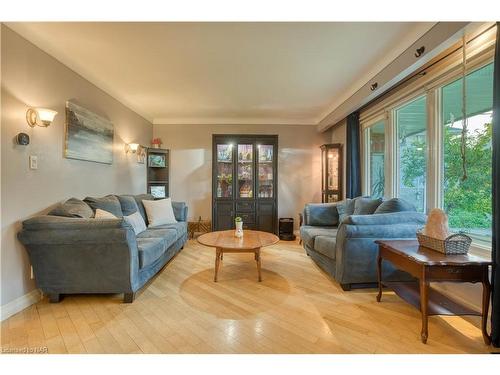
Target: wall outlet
[{"x": 33, "y": 162}]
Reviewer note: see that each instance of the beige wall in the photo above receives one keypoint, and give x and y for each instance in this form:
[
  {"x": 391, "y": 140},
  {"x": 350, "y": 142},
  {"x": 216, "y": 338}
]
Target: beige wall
[
  {"x": 30, "y": 77},
  {"x": 299, "y": 164}
]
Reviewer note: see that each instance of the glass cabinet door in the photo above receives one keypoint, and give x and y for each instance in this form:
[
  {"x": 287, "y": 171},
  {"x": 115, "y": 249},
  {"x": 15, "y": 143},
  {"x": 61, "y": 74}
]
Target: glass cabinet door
[
  {"x": 265, "y": 171},
  {"x": 224, "y": 170},
  {"x": 245, "y": 171}
]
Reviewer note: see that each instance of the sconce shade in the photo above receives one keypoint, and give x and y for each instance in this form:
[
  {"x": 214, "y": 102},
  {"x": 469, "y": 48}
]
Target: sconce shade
[
  {"x": 132, "y": 147},
  {"x": 40, "y": 116}
]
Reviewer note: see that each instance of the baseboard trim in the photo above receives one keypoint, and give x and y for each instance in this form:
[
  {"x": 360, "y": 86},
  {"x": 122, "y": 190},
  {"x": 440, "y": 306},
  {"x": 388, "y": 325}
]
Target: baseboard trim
[{"x": 19, "y": 304}]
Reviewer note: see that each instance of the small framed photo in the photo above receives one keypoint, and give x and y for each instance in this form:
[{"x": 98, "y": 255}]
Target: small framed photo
[
  {"x": 158, "y": 191},
  {"x": 157, "y": 161}
]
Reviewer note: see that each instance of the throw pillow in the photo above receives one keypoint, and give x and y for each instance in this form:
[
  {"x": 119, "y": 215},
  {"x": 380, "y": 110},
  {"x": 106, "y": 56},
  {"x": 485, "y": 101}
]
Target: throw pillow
[
  {"x": 395, "y": 205},
  {"x": 73, "y": 208},
  {"x": 345, "y": 208},
  {"x": 159, "y": 212},
  {"x": 138, "y": 199},
  {"x": 136, "y": 221},
  {"x": 108, "y": 203},
  {"x": 322, "y": 214},
  {"x": 102, "y": 214},
  {"x": 366, "y": 206},
  {"x": 128, "y": 204}
]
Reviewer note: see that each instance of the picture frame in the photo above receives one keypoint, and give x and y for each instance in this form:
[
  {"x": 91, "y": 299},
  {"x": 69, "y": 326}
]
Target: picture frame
[{"x": 157, "y": 161}]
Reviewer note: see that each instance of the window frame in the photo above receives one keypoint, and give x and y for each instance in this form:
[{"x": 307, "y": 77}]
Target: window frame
[{"x": 429, "y": 86}]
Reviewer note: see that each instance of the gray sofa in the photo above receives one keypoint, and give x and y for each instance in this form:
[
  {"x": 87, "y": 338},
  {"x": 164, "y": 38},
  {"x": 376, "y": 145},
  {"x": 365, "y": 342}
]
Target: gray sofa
[
  {"x": 81, "y": 254},
  {"x": 344, "y": 246}
]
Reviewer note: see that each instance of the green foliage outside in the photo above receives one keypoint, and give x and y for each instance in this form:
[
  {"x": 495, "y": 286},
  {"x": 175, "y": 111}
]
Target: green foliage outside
[{"x": 467, "y": 202}]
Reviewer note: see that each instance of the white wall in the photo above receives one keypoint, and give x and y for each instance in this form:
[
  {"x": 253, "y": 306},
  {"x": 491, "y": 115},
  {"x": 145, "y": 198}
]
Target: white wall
[
  {"x": 299, "y": 166},
  {"x": 30, "y": 77}
]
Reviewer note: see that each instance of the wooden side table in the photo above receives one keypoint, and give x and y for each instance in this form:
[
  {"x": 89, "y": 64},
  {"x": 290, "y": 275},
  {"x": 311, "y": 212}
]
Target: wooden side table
[
  {"x": 431, "y": 266},
  {"x": 200, "y": 226}
]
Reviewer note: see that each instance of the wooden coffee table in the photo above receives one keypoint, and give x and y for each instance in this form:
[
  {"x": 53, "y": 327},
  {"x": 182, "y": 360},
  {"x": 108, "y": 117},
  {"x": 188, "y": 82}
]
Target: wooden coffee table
[
  {"x": 431, "y": 266},
  {"x": 225, "y": 242}
]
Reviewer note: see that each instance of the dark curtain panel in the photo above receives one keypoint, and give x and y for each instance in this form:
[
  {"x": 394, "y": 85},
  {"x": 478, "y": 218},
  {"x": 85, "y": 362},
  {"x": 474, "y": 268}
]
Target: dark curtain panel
[
  {"x": 353, "y": 157},
  {"x": 495, "y": 313}
]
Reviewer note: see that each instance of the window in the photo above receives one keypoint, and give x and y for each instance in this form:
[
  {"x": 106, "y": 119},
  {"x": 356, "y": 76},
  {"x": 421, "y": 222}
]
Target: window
[
  {"x": 466, "y": 187},
  {"x": 376, "y": 155},
  {"x": 411, "y": 130}
]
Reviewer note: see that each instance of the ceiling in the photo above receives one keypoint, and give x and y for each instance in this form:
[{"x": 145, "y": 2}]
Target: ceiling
[{"x": 226, "y": 73}]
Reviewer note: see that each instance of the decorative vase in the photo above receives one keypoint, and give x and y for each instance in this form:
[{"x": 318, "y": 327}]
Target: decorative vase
[{"x": 239, "y": 229}]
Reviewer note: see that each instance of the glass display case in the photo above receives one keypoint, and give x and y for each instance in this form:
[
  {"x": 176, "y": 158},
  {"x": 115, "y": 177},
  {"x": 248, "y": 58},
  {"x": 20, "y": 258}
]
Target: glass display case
[
  {"x": 331, "y": 172},
  {"x": 244, "y": 181}
]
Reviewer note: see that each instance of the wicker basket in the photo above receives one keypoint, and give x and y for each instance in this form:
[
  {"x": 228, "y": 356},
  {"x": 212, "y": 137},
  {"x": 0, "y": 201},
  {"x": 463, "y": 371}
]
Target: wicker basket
[{"x": 455, "y": 244}]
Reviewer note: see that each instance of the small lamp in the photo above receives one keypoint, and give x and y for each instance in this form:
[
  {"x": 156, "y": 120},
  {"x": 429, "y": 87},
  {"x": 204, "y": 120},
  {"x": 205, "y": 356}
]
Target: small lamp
[{"x": 40, "y": 116}]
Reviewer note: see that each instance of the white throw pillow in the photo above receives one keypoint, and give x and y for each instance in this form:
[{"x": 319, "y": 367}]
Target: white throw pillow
[
  {"x": 102, "y": 214},
  {"x": 136, "y": 221},
  {"x": 159, "y": 212}
]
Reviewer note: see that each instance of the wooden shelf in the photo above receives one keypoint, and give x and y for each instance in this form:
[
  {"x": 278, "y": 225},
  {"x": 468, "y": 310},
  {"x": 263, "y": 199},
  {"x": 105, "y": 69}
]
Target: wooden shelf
[{"x": 439, "y": 304}]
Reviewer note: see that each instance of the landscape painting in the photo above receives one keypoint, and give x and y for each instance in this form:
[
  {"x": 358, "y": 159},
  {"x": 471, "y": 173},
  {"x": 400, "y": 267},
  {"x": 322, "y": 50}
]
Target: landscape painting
[{"x": 88, "y": 136}]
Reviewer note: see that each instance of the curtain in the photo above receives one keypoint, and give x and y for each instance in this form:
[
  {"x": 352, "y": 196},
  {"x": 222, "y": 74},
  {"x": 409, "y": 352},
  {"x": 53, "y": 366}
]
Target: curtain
[
  {"x": 353, "y": 156},
  {"x": 495, "y": 278}
]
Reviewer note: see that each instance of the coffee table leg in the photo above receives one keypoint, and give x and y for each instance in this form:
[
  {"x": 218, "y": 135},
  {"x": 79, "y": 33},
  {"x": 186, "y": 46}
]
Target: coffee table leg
[
  {"x": 379, "y": 277},
  {"x": 257, "y": 258},
  {"x": 218, "y": 253},
  {"x": 424, "y": 300}
]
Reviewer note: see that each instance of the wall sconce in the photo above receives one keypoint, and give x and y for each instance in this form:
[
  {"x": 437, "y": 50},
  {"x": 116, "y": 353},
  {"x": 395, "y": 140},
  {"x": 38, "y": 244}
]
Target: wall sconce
[
  {"x": 132, "y": 147},
  {"x": 40, "y": 116}
]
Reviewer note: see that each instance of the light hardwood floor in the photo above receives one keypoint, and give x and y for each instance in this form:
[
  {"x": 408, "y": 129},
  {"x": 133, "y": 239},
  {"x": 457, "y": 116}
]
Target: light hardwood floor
[{"x": 296, "y": 309}]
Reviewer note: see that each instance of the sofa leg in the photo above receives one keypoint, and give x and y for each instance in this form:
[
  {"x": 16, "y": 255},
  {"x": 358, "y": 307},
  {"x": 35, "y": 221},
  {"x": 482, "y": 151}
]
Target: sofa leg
[
  {"x": 345, "y": 287},
  {"x": 128, "y": 297},
  {"x": 54, "y": 297}
]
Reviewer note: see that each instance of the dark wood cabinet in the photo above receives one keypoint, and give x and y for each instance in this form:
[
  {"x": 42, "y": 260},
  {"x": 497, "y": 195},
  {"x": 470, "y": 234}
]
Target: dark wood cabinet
[
  {"x": 244, "y": 181},
  {"x": 331, "y": 172},
  {"x": 158, "y": 172}
]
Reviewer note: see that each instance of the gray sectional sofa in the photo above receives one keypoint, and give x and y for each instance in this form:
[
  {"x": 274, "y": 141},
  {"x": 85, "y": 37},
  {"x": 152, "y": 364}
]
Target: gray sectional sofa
[
  {"x": 340, "y": 238},
  {"x": 71, "y": 252}
]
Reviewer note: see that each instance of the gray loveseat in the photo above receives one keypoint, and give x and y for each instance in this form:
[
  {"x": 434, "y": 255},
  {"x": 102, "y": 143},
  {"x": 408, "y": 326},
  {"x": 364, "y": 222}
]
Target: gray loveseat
[
  {"x": 343, "y": 244},
  {"x": 81, "y": 254}
]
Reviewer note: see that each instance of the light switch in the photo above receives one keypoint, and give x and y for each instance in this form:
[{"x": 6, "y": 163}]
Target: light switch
[
  {"x": 33, "y": 162},
  {"x": 32, "y": 274}
]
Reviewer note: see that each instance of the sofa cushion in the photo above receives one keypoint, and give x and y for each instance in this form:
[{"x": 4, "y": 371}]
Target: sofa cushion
[
  {"x": 150, "y": 249},
  {"x": 366, "y": 206},
  {"x": 128, "y": 204},
  {"x": 325, "y": 245},
  {"x": 138, "y": 199},
  {"x": 308, "y": 233},
  {"x": 73, "y": 207},
  {"x": 180, "y": 227},
  {"x": 108, "y": 203},
  {"x": 322, "y": 214},
  {"x": 103, "y": 215},
  {"x": 168, "y": 235},
  {"x": 345, "y": 208},
  {"x": 395, "y": 205}
]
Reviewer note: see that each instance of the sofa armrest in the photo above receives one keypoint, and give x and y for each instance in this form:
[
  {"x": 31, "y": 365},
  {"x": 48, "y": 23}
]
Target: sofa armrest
[
  {"x": 385, "y": 231},
  {"x": 393, "y": 218},
  {"x": 72, "y": 255},
  {"x": 180, "y": 211},
  {"x": 321, "y": 214}
]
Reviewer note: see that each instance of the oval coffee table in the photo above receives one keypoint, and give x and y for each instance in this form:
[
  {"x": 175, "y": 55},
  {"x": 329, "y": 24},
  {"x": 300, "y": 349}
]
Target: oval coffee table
[{"x": 225, "y": 242}]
